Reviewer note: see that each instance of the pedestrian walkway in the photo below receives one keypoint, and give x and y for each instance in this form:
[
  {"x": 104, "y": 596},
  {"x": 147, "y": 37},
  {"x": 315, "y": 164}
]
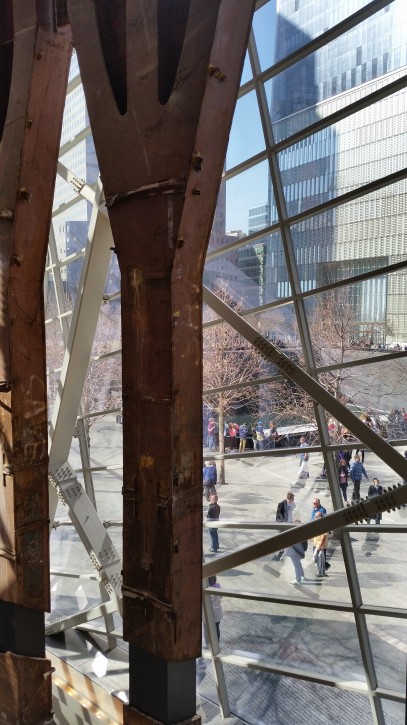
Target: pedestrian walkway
[{"x": 298, "y": 636}]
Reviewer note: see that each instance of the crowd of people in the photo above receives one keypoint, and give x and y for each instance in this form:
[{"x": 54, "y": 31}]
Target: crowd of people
[
  {"x": 235, "y": 435},
  {"x": 297, "y": 552},
  {"x": 264, "y": 436},
  {"x": 351, "y": 470}
]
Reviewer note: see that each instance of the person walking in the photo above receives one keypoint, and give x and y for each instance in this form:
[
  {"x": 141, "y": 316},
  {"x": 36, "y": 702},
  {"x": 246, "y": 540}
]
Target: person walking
[
  {"x": 320, "y": 543},
  {"x": 319, "y": 510},
  {"x": 296, "y": 553},
  {"x": 375, "y": 489},
  {"x": 303, "y": 471},
  {"x": 357, "y": 470},
  {"x": 285, "y": 510},
  {"x": 303, "y": 444},
  {"x": 213, "y": 514},
  {"x": 343, "y": 473},
  {"x": 210, "y": 477},
  {"x": 216, "y": 602}
]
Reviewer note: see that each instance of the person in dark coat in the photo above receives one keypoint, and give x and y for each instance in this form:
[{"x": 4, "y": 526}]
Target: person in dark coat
[
  {"x": 343, "y": 473},
  {"x": 357, "y": 470},
  {"x": 375, "y": 489},
  {"x": 285, "y": 510},
  {"x": 213, "y": 514}
]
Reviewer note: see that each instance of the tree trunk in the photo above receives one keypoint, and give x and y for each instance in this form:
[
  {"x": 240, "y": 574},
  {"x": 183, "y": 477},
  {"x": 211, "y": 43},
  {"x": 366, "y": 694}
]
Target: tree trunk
[{"x": 221, "y": 463}]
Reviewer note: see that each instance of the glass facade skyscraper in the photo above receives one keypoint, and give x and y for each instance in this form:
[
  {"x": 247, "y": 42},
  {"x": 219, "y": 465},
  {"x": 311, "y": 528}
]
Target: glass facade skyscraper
[{"x": 368, "y": 231}]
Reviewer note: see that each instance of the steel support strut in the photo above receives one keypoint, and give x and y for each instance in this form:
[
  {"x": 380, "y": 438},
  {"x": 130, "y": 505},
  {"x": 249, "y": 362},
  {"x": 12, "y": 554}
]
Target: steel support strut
[
  {"x": 160, "y": 105},
  {"x": 38, "y": 53}
]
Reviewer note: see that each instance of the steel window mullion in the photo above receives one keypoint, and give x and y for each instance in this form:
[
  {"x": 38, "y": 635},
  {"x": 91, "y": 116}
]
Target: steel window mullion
[
  {"x": 302, "y": 322},
  {"x": 65, "y": 206},
  {"x": 58, "y": 286},
  {"x": 220, "y": 680},
  {"x": 309, "y": 361},
  {"x": 315, "y": 44},
  {"x": 249, "y": 383},
  {"x": 79, "y": 186},
  {"x": 383, "y": 357},
  {"x": 252, "y": 238},
  {"x": 309, "y": 676},
  {"x": 69, "y": 145},
  {"x": 310, "y": 365},
  {"x": 350, "y": 196},
  {"x": 326, "y": 604},
  {"x": 364, "y": 102}
]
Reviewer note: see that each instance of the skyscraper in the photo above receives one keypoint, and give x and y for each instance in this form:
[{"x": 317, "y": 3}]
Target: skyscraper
[{"x": 368, "y": 231}]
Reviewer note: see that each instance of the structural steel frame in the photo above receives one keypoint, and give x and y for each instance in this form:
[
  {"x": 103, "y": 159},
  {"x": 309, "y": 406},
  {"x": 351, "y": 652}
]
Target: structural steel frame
[{"x": 62, "y": 431}]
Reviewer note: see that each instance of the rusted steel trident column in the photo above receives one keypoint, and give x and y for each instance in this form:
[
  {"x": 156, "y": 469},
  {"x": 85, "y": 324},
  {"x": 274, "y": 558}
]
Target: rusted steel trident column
[
  {"x": 161, "y": 79},
  {"x": 34, "y": 62}
]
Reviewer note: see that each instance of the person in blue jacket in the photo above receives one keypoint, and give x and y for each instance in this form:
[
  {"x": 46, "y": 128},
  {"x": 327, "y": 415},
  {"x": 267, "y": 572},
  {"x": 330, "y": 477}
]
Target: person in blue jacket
[
  {"x": 210, "y": 477},
  {"x": 357, "y": 470}
]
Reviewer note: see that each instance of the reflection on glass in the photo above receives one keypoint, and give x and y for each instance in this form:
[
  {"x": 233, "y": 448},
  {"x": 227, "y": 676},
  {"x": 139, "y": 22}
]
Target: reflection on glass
[
  {"x": 246, "y": 195},
  {"x": 300, "y": 21},
  {"x": 377, "y": 557},
  {"x": 354, "y": 238},
  {"x": 264, "y": 28},
  {"x": 246, "y": 688},
  {"x": 348, "y": 324},
  {"x": 243, "y": 145},
  {"x": 304, "y": 92},
  {"x": 343, "y": 157},
  {"x": 247, "y": 71},
  {"x": 249, "y": 270},
  {"x": 363, "y": 319},
  {"x": 387, "y": 639}
]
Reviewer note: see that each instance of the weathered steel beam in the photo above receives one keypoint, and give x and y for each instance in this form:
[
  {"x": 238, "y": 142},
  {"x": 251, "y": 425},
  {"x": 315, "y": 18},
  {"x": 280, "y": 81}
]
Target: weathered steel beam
[
  {"x": 160, "y": 108},
  {"x": 25, "y": 690},
  {"x": 30, "y": 132}
]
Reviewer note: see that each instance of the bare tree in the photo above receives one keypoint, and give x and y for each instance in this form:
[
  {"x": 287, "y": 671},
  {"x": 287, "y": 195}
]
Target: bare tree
[
  {"x": 229, "y": 361},
  {"x": 102, "y": 389},
  {"x": 334, "y": 325}
]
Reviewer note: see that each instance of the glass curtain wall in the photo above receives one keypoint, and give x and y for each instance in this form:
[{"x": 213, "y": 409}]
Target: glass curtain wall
[
  {"x": 312, "y": 253},
  {"x": 309, "y": 247}
]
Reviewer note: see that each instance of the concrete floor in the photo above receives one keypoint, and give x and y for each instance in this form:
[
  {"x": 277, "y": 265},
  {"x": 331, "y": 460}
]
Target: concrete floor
[{"x": 325, "y": 641}]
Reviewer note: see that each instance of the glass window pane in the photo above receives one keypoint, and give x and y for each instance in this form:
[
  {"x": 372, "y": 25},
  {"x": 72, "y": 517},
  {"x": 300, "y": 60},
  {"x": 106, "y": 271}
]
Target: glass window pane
[
  {"x": 250, "y": 270},
  {"x": 353, "y": 152},
  {"x": 288, "y": 698},
  {"x": 298, "y": 22},
  {"x": 244, "y": 193},
  {"x": 338, "y": 73},
  {"x": 247, "y": 71},
  {"x": 246, "y": 136},
  {"x": 388, "y": 637},
  {"x": 354, "y": 238},
  {"x": 377, "y": 557},
  {"x": 264, "y": 28}
]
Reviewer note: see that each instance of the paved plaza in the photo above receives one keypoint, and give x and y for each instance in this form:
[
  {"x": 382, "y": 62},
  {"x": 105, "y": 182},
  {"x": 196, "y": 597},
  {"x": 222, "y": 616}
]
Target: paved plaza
[
  {"x": 288, "y": 635},
  {"x": 298, "y": 637}
]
